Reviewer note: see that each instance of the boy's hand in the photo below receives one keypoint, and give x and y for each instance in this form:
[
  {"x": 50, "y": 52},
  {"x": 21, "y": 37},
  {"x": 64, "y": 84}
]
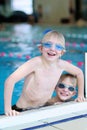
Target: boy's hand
[
  {"x": 12, "y": 113},
  {"x": 80, "y": 99}
]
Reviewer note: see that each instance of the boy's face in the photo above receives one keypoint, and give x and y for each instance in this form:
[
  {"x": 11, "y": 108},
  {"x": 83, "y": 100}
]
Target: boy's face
[
  {"x": 65, "y": 90},
  {"x": 52, "y": 49}
]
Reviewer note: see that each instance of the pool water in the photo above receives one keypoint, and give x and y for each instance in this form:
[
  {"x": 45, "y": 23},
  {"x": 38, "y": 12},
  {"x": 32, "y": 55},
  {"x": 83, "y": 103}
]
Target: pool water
[{"x": 18, "y": 43}]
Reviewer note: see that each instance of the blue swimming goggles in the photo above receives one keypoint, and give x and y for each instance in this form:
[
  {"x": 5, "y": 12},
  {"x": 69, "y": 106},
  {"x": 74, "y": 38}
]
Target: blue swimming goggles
[
  {"x": 62, "y": 86},
  {"x": 49, "y": 45}
]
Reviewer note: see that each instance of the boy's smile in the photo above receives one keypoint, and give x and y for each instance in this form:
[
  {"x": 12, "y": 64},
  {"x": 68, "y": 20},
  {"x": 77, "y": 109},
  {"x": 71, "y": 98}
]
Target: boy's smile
[{"x": 51, "y": 53}]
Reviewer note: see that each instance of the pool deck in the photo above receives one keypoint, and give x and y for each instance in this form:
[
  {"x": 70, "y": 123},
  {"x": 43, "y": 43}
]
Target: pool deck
[{"x": 51, "y": 117}]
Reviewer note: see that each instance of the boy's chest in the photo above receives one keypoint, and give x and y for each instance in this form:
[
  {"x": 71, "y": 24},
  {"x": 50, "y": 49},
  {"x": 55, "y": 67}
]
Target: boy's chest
[{"x": 48, "y": 75}]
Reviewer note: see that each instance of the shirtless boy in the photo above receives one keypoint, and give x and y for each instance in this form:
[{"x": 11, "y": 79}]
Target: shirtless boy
[{"x": 65, "y": 90}]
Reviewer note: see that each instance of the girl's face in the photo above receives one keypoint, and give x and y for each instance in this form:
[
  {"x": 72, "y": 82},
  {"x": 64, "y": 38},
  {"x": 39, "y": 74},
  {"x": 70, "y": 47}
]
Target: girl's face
[
  {"x": 65, "y": 90},
  {"x": 52, "y": 49}
]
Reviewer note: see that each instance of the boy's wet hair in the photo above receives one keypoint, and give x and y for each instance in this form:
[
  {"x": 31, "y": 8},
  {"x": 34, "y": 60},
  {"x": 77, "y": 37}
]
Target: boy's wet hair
[
  {"x": 73, "y": 78},
  {"x": 55, "y": 34}
]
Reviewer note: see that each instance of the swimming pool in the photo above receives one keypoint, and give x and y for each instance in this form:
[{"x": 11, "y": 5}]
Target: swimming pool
[{"x": 18, "y": 43}]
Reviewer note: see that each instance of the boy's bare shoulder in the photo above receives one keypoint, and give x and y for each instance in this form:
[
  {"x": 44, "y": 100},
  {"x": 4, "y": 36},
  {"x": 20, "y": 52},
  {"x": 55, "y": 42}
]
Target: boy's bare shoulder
[
  {"x": 35, "y": 59},
  {"x": 63, "y": 62}
]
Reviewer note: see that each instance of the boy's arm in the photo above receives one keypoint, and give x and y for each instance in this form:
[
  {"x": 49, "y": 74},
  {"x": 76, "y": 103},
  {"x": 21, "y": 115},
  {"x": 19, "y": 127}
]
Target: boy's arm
[
  {"x": 17, "y": 75},
  {"x": 80, "y": 83},
  {"x": 9, "y": 84}
]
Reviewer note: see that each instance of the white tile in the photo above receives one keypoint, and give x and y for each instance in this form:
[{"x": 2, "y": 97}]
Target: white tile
[
  {"x": 26, "y": 125},
  {"x": 78, "y": 124},
  {"x": 43, "y": 113},
  {"x": 49, "y": 128},
  {"x": 80, "y": 113},
  {"x": 48, "y": 120},
  {"x": 58, "y": 118}
]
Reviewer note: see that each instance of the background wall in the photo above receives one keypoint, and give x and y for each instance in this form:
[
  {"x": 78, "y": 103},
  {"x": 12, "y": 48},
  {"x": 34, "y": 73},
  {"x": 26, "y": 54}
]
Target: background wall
[{"x": 53, "y": 11}]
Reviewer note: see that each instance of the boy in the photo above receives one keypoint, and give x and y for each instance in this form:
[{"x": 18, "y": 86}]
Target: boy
[
  {"x": 65, "y": 90},
  {"x": 41, "y": 75}
]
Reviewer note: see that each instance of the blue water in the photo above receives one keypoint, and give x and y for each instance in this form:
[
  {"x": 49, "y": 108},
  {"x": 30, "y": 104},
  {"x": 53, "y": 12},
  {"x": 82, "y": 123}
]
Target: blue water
[{"x": 19, "y": 43}]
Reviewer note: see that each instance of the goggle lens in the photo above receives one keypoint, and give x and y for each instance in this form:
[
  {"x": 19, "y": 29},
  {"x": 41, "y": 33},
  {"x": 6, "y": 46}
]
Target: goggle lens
[{"x": 49, "y": 45}]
